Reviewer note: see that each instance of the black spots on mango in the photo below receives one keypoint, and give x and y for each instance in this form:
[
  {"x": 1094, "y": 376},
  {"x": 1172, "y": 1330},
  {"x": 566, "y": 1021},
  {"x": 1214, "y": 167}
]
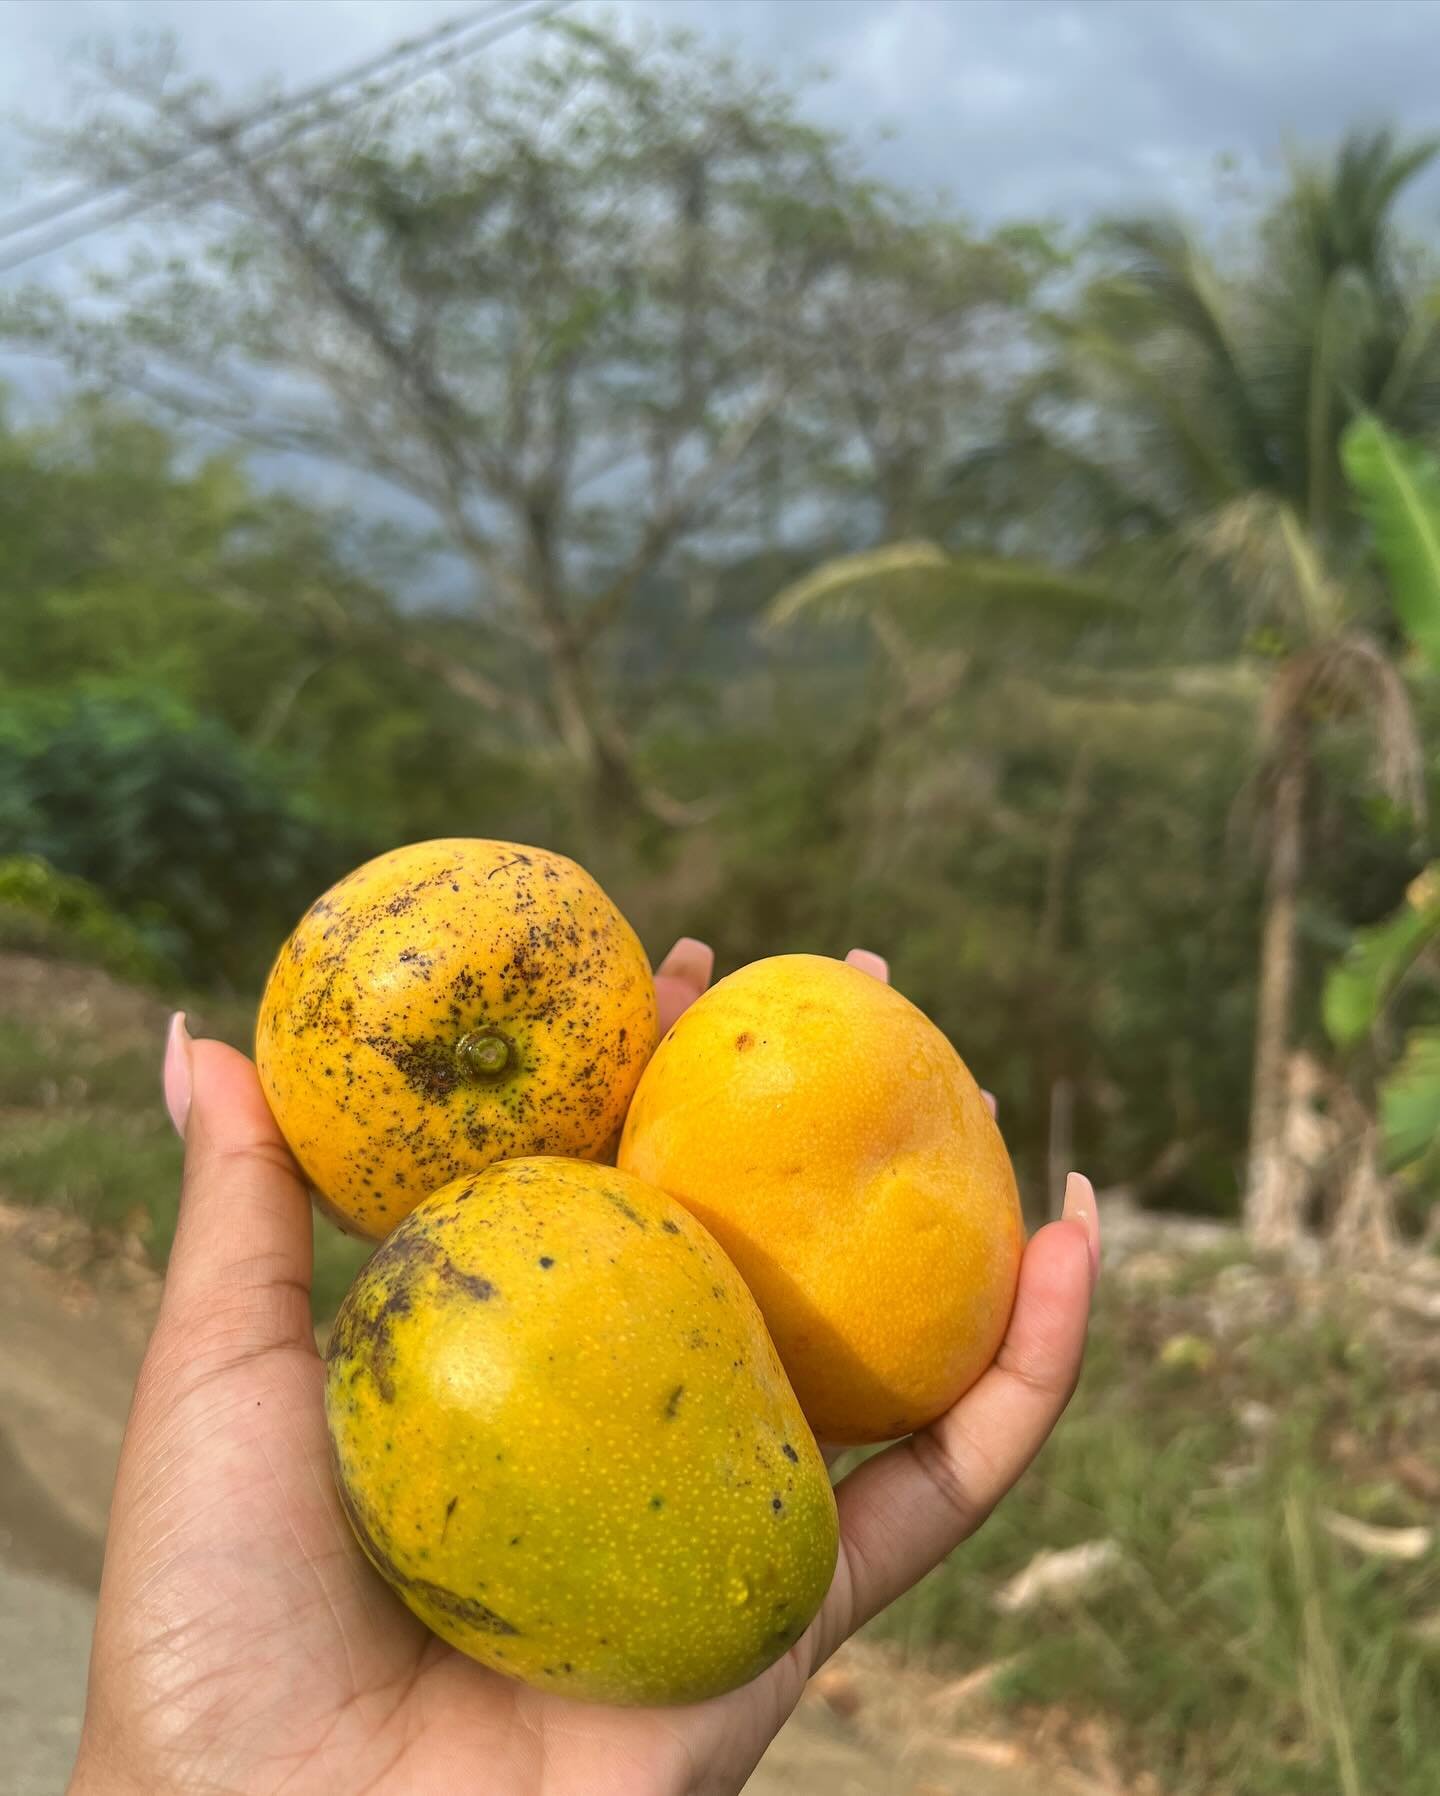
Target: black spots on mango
[
  {"x": 364, "y": 1330},
  {"x": 516, "y": 860},
  {"x": 744, "y": 1041},
  {"x": 671, "y": 1407},
  {"x": 619, "y": 1201},
  {"x": 429, "y": 1067},
  {"x": 467, "y": 1610},
  {"x": 471, "y": 1283},
  {"x": 670, "y": 1228},
  {"x": 449, "y": 1511},
  {"x": 657, "y": 1502},
  {"x": 363, "y": 1337},
  {"x": 546, "y": 1262},
  {"x": 790, "y": 1453},
  {"x": 777, "y": 1505},
  {"x": 417, "y": 961}
]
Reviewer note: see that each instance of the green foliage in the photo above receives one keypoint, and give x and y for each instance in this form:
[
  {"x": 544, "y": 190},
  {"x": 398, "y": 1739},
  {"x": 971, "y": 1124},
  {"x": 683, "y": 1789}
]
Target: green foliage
[
  {"x": 52, "y": 912},
  {"x": 1398, "y": 484},
  {"x": 181, "y": 826},
  {"x": 1358, "y": 990},
  {"x": 1410, "y": 1101}
]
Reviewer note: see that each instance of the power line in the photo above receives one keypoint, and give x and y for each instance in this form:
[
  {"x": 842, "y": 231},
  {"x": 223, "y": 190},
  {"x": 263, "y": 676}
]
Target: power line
[
  {"x": 416, "y": 57},
  {"x": 45, "y": 211}
]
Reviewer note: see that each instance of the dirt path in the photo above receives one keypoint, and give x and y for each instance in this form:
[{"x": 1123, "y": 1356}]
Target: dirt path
[{"x": 68, "y": 1366}]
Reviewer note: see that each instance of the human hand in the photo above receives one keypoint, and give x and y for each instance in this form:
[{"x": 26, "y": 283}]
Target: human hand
[{"x": 243, "y": 1644}]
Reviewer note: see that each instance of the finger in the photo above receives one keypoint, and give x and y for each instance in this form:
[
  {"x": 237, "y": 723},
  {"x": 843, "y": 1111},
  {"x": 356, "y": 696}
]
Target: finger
[
  {"x": 904, "y": 1510},
  {"x": 681, "y": 977},
  {"x": 242, "y": 1254},
  {"x": 1080, "y": 1206},
  {"x": 875, "y": 965}
]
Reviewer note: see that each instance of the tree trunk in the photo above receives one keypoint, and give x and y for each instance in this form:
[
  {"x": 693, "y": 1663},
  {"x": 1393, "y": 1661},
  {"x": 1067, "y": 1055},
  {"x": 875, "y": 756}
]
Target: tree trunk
[
  {"x": 1274, "y": 1194},
  {"x": 1365, "y": 1217}
]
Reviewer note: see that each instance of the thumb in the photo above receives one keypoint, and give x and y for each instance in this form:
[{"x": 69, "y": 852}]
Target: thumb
[{"x": 241, "y": 1261}]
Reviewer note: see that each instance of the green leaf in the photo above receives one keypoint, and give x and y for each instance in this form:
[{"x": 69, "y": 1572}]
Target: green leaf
[
  {"x": 920, "y": 578},
  {"x": 1398, "y": 484},
  {"x": 1410, "y": 1100},
  {"x": 1357, "y": 991},
  {"x": 850, "y": 584}
]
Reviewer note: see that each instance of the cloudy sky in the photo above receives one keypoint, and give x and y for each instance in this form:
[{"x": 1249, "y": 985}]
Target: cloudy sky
[{"x": 1011, "y": 106}]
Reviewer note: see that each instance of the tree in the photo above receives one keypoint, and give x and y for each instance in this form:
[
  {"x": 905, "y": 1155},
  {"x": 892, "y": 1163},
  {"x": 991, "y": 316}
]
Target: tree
[
  {"x": 555, "y": 303},
  {"x": 1399, "y": 489},
  {"x": 1199, "y": 409}
]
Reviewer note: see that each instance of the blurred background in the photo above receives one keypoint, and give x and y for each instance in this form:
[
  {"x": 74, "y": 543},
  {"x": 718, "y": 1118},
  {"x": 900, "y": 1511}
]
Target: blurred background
[{"x": 952, "y": 478}]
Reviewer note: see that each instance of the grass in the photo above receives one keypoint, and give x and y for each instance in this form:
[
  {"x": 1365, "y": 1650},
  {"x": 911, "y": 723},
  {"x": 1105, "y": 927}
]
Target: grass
[
  {"x": 1240, "y": 1648},
  {"x": 83, "y": 1129}
]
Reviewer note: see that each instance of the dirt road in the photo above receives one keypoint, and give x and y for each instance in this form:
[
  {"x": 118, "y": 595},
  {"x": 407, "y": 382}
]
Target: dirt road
[{"x": 66, "y": 1372}]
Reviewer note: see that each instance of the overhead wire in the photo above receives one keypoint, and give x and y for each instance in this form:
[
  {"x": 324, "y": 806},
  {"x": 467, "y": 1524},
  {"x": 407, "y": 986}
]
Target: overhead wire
[{"x": 410, "y": 60}]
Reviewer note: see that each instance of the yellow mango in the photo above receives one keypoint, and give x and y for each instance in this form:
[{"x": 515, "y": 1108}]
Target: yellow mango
[
  {"x": 447, "y": 1005},
  {"x": 562, "y": 1435},
  {"x": 834, "y": 1143}
]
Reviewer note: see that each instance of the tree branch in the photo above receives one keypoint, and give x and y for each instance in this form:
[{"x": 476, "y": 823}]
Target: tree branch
[{"x": 676, "y": 516}]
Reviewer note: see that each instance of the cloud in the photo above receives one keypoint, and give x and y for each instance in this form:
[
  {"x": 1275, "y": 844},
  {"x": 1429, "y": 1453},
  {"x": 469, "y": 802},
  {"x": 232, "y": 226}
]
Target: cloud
[{"x": 1011, "y": 107}]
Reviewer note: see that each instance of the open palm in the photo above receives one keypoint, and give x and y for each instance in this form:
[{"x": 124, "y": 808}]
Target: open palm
[{"x": 243, "y": 1643}]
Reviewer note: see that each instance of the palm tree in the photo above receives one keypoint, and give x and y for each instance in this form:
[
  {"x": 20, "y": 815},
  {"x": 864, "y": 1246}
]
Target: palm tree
[
  {"x": 1196, "y": 411},
  {"x": 1236, "y": 391}
]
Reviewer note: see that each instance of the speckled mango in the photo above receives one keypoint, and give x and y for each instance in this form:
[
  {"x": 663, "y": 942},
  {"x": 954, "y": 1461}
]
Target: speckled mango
[
  {"x": 561, "y": 1434},
  {"x": 834, "y": 1143},
  {"x": 447, "y": 1005}
]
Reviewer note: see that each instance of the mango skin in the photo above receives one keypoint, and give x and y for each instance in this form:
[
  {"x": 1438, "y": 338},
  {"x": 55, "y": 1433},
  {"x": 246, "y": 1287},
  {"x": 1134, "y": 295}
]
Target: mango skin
[
  {"x": 562, "y": 1435},
  {"x": 361, "y": 1032},
  {"x": 834, "y": 1143}
]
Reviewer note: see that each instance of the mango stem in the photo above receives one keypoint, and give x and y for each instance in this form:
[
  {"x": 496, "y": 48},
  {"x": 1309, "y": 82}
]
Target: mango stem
[{"x": 484, "y": 1052}]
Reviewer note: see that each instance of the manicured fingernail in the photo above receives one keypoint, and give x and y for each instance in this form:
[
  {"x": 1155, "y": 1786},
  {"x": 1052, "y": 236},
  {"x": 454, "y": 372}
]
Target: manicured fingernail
[
  {"x": 690, "y": 960},
  {"x": 990, "y": 1104},
  {"x": 176, "y": 1077},
  {"x": 875, "y": 965},
  {"x": 1080, "y": 1206}
]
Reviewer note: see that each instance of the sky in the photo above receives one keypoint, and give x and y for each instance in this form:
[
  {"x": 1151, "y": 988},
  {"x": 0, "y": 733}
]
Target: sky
[{"x": 1011, "y": 107}]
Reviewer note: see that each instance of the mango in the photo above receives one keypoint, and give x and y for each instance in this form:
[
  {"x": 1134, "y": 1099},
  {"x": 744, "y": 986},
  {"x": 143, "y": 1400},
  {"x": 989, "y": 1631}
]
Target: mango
[
  {"x": 561, "y": 1434},
  {"x": 445, "y": 1006},
  {"x": 834, "y": 1143}
]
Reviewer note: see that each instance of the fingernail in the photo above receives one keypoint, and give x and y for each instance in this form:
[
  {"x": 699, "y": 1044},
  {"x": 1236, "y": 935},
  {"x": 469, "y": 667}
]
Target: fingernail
[
  {"x": 875, "y": 965},
  {"x": 689, "y": 959},
  {"x": 990, "y": 1104},
  {"x": 1080, "y": 1206},
  {"x": 176, "y": 1077}
]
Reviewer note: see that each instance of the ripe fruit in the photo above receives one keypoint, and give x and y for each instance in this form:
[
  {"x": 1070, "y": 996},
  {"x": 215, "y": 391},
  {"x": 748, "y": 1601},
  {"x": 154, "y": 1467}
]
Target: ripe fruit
[
  {"x": 833, "y": 1142},
  {"x": 562, "y": 1435},
  {"x": 447, "y": 1005}
]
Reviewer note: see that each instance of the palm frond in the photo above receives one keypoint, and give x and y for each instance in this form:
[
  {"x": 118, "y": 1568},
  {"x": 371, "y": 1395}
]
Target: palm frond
[
  {"x": 1350, "y": 676},
  {"x": 922, "y": 584},
  {"x": 1188, "y": 292},
  {"x": 1399, "y": 489},
  {"x": 1263, "y": 549}
]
